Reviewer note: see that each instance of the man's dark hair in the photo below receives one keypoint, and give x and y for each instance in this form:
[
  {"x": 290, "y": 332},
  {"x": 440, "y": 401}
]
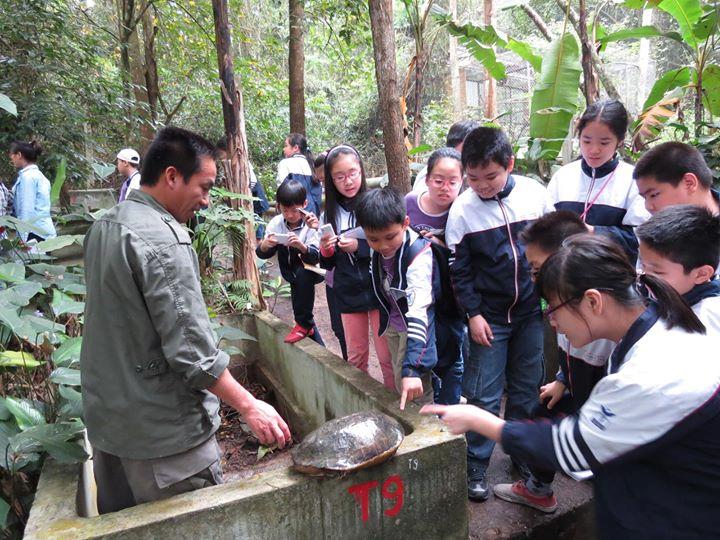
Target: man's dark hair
[
  {"x": 320, "y": 160},
  {"x": 550, "y": 231},
  {"x": 669, "y": 162},
  {"x": 290, "y": 193},
  {"x": 687, "y": 235},
  {"x": 458, "y": 131},
  {"x": 380, "y": 208},
  {"x": 486, "y": 144},
  {"x": 175, "y": 147}
]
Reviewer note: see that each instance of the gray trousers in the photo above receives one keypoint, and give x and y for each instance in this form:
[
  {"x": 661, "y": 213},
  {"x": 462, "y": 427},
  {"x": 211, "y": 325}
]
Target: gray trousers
[{"x": 123, "y": 482}]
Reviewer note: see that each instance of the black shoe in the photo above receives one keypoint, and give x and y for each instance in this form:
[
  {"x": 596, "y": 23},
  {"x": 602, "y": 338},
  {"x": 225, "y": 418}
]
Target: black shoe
[{"x": 477, "y": 486}]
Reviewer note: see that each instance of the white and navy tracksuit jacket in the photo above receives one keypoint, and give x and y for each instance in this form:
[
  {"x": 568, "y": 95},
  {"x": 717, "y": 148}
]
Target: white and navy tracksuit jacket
[
  {"x": 650, "y": 433},
  {"x": 412, "y": 291},
  {"x": 705, "y": 302},
  {"x": 614, "y": 206},
  {"x": 489, "y": 271},
  {"x": 297, "y": 167},
  {"x": 582, "y": 367},
  {"x": 290, "y": 259}
]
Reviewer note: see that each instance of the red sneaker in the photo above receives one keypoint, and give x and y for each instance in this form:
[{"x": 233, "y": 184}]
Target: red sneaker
[
  {"x": 298, "y": 333},
  {"x": 518, "y": 493}
]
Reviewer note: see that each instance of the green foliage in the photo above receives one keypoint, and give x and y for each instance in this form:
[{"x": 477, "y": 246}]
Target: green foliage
[
  {"x": 40, "y": 405},
  {"x": 555, "y": 97}
]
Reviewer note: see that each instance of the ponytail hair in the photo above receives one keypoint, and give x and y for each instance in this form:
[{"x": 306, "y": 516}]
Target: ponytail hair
[
  {"x": 299, "y": 140},
  {"x": 588, "y": 261},
  {"x": 29, "y": 150},
  {"x": 671, "y": 307}
]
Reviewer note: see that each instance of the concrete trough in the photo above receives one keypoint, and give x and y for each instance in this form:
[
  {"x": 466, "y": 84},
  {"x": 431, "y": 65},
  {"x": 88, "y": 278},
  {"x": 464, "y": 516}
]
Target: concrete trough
[{"x": 419, "y": 493}]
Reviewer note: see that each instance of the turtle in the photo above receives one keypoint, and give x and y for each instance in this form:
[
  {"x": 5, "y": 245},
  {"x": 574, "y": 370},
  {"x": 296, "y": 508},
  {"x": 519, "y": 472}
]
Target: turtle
[{"x": 356, "y": 441}]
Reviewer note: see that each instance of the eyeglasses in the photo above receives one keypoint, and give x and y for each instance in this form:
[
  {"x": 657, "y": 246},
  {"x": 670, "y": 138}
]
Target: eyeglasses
[
  {"x": 548, "y": 311},
  {"x": 440, "y": 181},
  {"x": 350, "y": 175}
]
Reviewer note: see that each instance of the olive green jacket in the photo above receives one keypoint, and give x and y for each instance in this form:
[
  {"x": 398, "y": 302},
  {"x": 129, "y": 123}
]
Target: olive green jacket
[{"x": 148, "y": 353}]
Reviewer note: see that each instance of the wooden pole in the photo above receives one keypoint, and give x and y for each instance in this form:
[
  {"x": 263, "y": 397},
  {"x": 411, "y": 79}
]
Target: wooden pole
[{"x": 239, "y": 174}]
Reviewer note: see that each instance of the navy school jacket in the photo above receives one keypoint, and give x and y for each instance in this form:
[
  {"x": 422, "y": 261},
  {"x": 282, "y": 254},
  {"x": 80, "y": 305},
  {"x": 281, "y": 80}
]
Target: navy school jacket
[
  {"x": 705, "y": 302},
  {"x": 412, "y": 290},
  {"x": 351, "y": 271},
  {"x": 290, "y": 259},
  {"x": 615, "y": 209},
  {"x": 490, "y": 274},
  {"x": 650, "y": 432}
]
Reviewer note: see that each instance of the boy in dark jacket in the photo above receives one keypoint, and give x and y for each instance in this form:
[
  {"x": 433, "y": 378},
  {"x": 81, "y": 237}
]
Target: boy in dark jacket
[
  {"x": 492, "y": 285},
  {"x": 295, "y": 243},
  {"x": 401, "y": 267}
]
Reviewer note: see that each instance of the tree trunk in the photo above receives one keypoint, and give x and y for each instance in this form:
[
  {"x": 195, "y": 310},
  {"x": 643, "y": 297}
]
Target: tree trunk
[
  {"x": 537, "y": 19},
  {"x": 597, "y": 63},
  {"x": 490, "y": 83},
  {"x": 239, "y": 173},
  {"x": 383, "y": 34},
  {"x": 419, "y": 81},
  {"x": 590, "y": 81},
  {"x": 296, "y": 67},
  {"x": 644, "y": 62},
  {"x": 454, "y": 71},
  {"x": 151, "y": 74}
]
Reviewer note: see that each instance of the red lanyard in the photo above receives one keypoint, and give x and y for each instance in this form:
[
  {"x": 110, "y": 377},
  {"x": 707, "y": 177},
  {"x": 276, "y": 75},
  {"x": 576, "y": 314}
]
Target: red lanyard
[{"x": 583, "y": 216}]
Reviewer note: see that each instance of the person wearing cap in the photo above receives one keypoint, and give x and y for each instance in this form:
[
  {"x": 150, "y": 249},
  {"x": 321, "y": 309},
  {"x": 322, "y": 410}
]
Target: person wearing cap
[{"x": 128, "y": 161}]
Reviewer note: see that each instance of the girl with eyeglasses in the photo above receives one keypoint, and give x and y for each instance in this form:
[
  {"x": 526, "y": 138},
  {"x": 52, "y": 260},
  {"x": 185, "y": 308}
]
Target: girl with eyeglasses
[
  {"x": 428, "y": 212},
  {"x": 650, "y": 431},
  {"x": 348, "y": 259}
]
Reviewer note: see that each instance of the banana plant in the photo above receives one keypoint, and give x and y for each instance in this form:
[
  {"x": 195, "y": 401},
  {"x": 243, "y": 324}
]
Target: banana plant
[{"x": 698, "y": 31}]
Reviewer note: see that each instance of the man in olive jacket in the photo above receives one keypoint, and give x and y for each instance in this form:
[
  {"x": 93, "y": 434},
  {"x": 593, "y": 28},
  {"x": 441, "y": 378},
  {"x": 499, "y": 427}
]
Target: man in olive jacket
[{"x": 151, "y": 372}]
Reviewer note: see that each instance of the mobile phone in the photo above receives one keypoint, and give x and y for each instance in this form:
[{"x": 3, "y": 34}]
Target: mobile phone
[
  {"x": 304, "y": 212},
  {"x": 326, "y": 230},
  {"x": 282, "y": 238}
]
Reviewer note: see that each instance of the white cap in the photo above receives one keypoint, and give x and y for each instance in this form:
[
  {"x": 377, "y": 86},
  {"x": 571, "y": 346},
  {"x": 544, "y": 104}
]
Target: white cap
[{"x": 129, "y": 155}]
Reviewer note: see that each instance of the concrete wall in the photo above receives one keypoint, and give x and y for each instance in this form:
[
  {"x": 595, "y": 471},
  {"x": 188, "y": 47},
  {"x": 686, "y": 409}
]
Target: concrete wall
[{"x": 420, "y": 493}]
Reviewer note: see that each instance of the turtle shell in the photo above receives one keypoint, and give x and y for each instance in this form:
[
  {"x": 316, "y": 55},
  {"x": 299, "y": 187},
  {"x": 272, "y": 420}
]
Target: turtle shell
[{"x": 345, "y": 444}]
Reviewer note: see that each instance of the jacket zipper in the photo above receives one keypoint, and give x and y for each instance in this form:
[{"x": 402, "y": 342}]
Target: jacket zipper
[
  {"x": 587, "y": 198},
  {"x": 515, "y": 259}
]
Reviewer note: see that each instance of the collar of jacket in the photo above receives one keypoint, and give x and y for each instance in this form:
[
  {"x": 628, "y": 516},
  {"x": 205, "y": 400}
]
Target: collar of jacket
[
  {"x": 28, "y": 168},
  {"x": 140, "y": 196},
  {"x": 509, "y": 185},
  {"x": 636, "y": 331},
  {"x": 703, "y": 291},
  {"x": 603, "y": 170}
]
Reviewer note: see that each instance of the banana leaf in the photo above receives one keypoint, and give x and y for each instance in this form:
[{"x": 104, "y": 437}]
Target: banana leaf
[
  {"x": 554, "y": 100},
  {"x": 687, "y": 13}
]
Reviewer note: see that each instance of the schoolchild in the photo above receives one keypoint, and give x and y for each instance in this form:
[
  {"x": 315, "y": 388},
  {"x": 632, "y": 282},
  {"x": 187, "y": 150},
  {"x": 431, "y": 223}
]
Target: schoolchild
[
  {"x": 650, "y": 431},
  {"x": 335, "y": 318},
  {"x": 454, "y": 139},
  {"x": 298, "y": 164},
  {"x": 599, "y": 187},
  {"x": 681, "y": 244},
  {"x": 428, "y": 213},
  {"x": 580, "y": 367},
  {"x": 295, "y": 243},
  {"x": 675, "y": 173},
  {"x": 492, "y": 284},
  {"x": 345, "y": 251},
  {"x": 401, "y": 267}
]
